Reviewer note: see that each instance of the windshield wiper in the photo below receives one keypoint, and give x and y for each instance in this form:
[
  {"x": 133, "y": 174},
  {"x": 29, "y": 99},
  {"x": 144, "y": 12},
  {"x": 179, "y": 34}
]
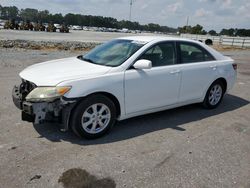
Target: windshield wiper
[
  {"x": 79, "y": 57},
  {"x": 88, "y": 60},
  {"x": 85, "y": 59},
  {"x": 91, "y": 61}
]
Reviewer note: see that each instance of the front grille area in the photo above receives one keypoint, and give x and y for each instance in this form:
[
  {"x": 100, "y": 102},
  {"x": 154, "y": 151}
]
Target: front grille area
[{"x": 26, "y": 87}]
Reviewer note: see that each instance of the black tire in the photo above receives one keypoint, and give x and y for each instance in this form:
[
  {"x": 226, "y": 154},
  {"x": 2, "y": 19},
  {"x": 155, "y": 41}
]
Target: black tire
[
  {"x": 208, "y": 42},
  {"x": 207, "y": 103},
  {"x": 83, "y": 107}
]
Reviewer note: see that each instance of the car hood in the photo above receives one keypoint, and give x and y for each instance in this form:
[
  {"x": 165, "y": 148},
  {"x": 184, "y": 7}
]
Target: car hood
[{"x": 53, "y": 72}]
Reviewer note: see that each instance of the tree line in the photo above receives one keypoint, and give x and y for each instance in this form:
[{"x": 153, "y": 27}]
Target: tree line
[
  {"x": 198, "y": 29},
  {"x": 44, "y": 16}
]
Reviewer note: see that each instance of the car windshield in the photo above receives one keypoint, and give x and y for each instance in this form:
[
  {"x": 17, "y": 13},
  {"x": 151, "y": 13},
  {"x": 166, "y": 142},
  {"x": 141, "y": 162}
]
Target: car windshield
[{"x": 112, "y": 53}]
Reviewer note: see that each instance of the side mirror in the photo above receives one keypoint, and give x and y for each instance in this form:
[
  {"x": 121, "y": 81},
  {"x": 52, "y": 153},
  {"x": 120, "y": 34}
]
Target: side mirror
[{"x": 143, "y": 64}]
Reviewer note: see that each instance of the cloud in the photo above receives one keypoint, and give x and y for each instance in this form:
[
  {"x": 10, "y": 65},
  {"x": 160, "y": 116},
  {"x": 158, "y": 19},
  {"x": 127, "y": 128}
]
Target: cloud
[
  {"x": 243, "y": 11},
  {"x": 174, "y": 7},
  {"x": 227, "y": 2},
  {"x": 108, "y": 1},
  {"x": 202, "y": 13},
  {"x": 225, "y": 12},
  {"x": 219, "y": 1}
]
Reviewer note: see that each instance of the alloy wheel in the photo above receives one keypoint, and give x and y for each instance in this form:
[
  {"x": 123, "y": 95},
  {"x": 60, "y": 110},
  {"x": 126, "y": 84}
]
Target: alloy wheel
[{"x": 96, "y": 118}]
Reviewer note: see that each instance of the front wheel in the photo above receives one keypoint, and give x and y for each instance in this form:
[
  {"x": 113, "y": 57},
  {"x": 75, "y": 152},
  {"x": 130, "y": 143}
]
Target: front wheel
[
  {"x": 93, "y": 117},
  {"x": 214, "y": 95}
]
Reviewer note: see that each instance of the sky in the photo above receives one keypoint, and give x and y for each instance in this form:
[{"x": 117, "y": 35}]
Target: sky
[{"x": 211, "y": 14}]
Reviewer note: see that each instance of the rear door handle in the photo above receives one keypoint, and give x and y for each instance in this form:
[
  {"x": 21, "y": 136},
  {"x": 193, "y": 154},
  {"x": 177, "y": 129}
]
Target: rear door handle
[{"x": 175, "y": 72}]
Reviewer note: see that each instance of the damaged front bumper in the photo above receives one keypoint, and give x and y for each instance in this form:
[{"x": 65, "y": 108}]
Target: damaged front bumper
[{"x": 58, "y": 110}]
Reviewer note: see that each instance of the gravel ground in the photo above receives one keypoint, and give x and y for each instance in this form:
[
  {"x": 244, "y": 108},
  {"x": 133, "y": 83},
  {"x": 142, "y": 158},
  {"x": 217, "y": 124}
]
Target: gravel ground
[{"x": 183, "y": 147}]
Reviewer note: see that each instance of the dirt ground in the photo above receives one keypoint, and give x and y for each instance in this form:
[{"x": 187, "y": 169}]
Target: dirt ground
[{"x": 184, "y": 147}]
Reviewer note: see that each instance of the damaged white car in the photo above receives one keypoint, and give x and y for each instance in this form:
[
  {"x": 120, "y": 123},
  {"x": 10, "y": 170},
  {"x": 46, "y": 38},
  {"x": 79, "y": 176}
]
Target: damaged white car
[{"x": 123, "y": 78}]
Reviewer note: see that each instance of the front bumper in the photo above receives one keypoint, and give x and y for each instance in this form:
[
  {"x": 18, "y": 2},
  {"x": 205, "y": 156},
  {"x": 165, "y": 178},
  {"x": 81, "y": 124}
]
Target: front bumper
[{"x": 39, "y": 112}]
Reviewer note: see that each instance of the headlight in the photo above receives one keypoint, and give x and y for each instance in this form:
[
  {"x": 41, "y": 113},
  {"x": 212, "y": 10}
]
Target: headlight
[{"x": 40, "y": 94}]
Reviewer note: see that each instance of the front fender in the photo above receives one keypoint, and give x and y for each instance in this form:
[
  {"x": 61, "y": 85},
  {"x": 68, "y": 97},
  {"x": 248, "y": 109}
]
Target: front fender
[{"x": 112, "y": 83}]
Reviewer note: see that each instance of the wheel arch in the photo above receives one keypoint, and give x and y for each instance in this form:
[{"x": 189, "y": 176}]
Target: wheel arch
[
  {"x": 222, "y": 79},
  {"x": 112, "y": 97},
  {"x": 106, "y": 94}
]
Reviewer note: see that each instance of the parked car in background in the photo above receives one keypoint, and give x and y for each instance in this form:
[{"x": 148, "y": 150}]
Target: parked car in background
[
  {"x": 124, "y": 30},
  {"x": 76, "y": 27},
  {"x": 123, "y": 78},
  {"x": 2, "y": 23},
  {"x": 46, "y": 25},
  {"x": 58, "y": 26}
]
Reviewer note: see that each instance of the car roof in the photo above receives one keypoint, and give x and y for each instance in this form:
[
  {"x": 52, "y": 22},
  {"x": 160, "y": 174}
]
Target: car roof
[{"x": 153, "y": 38}]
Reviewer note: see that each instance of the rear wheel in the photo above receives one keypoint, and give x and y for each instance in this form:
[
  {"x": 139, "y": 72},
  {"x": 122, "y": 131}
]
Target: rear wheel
[
  {"x": 93, "y": 117},
  {"x": 214, "y": 95}
]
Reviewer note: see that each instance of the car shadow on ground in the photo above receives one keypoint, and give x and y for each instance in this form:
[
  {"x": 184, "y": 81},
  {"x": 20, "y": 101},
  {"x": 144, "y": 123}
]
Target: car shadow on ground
[{"x": 173, "y": 119}]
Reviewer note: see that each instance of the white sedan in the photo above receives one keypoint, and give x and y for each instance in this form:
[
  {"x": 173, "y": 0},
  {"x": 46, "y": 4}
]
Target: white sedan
[{"x": 123, "y": 78}]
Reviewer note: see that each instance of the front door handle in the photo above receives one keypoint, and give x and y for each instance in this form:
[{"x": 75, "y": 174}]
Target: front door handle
[
  {"x": 175, "y": 72},
  {"x": 214, "y": 67}
]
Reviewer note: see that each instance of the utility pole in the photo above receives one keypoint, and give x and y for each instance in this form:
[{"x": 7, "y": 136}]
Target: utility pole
[
  {"x": 187, "y": 24},
  {"x": 187, "y": 20},
  {"x": 130, "y": 11}
]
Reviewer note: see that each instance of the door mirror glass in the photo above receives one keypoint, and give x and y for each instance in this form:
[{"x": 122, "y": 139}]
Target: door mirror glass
[{"x": 143, "y": 64}]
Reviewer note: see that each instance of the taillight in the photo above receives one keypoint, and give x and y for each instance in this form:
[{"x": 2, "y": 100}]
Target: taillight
[{"x": 234, "y": 66}]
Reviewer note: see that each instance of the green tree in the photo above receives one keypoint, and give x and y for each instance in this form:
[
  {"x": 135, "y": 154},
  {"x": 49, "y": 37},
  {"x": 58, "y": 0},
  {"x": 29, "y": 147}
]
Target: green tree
[
  {"x": 153, "y": 27},
  {"x": 185, "y": 29},
  {"x": 77, "y": 19},
  {"x": 212, "y": 32},
  {"x": 203, "y": 32},
  {"x": 4, "y": 13},
  {"x": 224, "y": 32},
  {"x": 243, "y": 32},
  {"x": 29, "y": 14},
  {"x": 43, "y": 16},
  {"x": 70, "y": 19},
  {"x": 9, "y": 12},
  {"x": 129, "y": 25},
  {"x": 197, "y": 29},
  {"x": 13, "y": 12},
  {"x": 57, "y": 18},
  {"x": 229, "y": 32}
]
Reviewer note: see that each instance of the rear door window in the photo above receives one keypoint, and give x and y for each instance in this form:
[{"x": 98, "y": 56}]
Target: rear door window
[{"x": 191, "y": 53}]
